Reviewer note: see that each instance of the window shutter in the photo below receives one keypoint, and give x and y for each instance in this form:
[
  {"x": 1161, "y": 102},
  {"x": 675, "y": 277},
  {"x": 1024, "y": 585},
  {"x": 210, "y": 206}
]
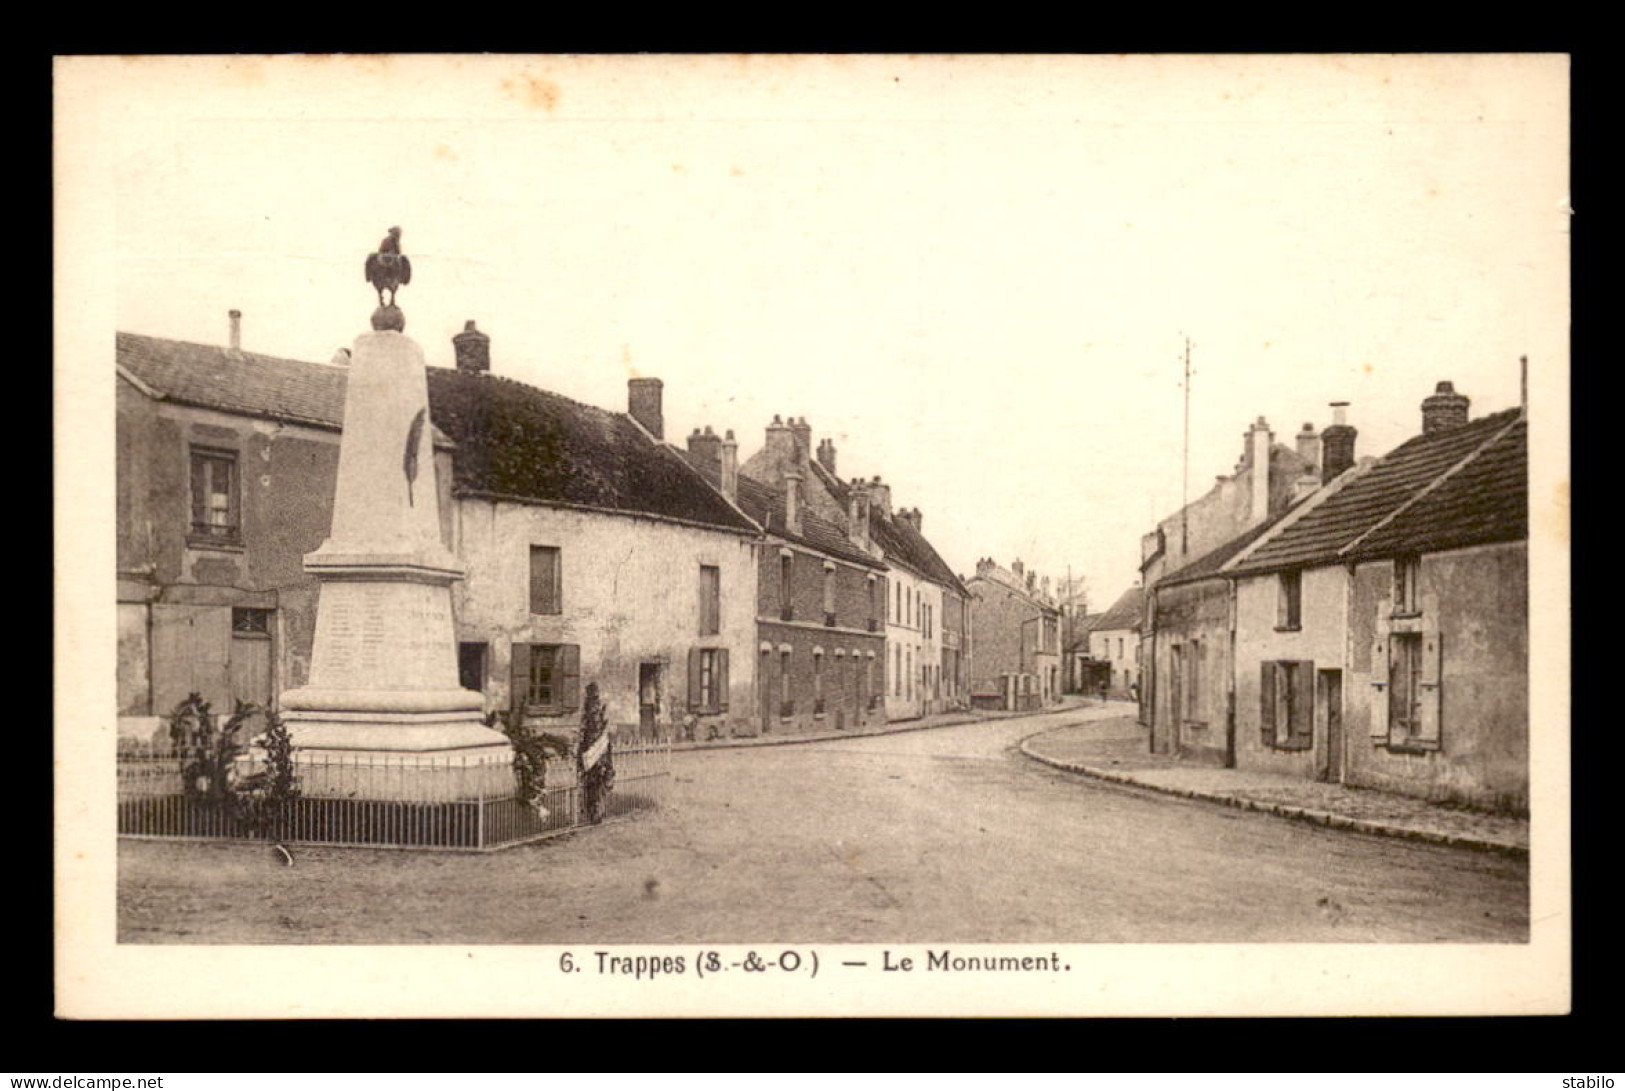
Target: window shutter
[
  {"x": 1430, "y": 687},
  {"x": 722, "y": 680},
  {"x": 200, "y": 507},
  {"x": 518, "y": 677},
  {"x": 569, "y": 668},
  {"x": 1303, "y": 700},
  {"x": 694, "y": 695},
  {"x": 1379, "y": 687},
  {"x": 1266, "y": 701}
]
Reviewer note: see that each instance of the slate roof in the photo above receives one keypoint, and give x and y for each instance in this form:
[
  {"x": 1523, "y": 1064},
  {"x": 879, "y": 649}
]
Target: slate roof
[
  {"x": 765, "y": 504},
  {"x": 1125, "y": 613},
  {"x": 512, "y": 440},
  {"x": 1419, "y": 497}
]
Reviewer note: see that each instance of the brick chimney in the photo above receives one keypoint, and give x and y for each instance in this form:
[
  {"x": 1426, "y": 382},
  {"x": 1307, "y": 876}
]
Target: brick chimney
[
  {"x": 1309, "y": 445},
  {"x": 880, "y": 496},
  {"x": 705, "y": 454},
  {"x": 1337, "y": 443},
  {"x": 1444, "y": 408},
  {"x": 803, "y": 433},
  {"x": 472, "y": 349},
  {"x": 1259, "y": 441},
  {"x": 643, "y": 405},
  {"x": 912, "y": 517},
  {"x": 236, "y": 317},
  {"x": 857, "y": 512},
  {"x": 826, "y": 455},
  {"x": 730, "y": 467},
  {"x": 780, "y": 449},
  {"x": 985, "y": 567}
]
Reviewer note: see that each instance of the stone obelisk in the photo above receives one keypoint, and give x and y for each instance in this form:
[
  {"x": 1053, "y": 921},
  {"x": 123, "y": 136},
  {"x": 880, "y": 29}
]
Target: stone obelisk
[{"x": 383, "y": 715}]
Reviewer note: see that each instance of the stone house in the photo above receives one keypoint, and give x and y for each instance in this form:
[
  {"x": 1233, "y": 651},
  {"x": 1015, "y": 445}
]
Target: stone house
[
  {"x": 593, "y": 551},
  {"x": 1268, "y": 479},
  {"x": 820, "y": 605},
  {"x": 1114, "y": 639},
  {"x": 1018, "y": 638},
  {"x": 1381, "y": 634}
]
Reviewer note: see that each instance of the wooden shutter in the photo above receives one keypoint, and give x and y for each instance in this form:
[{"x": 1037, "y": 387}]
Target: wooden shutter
[
  {"x": 518, "y": 677},
  {"x": 569, "y": 676},
  {"x": 721, "y": 680},
  {"x": 1303, "y": 701},
  {"x": 1429, "y": 687},
  {"x": 1266, "y": 701},
  {"x": 694, "y": 694},
  {"x": 1379, "y": 687}
]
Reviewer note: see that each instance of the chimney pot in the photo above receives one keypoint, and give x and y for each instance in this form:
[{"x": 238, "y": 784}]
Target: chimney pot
[
  {"x": 643, "y": 398},
  {"x": 472, "y": 349},
  {"x": 705, "y": 455}
]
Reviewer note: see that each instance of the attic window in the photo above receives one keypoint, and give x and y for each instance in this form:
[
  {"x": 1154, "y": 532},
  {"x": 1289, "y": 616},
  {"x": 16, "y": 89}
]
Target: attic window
[
  {"x": 1289, "y": 604},
  {"x": 1407, "y": 577}
]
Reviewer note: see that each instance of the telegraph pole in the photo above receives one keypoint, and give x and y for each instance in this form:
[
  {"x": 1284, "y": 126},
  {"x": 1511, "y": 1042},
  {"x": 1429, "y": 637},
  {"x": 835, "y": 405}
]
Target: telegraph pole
[{"x": 1185, "y": 470}]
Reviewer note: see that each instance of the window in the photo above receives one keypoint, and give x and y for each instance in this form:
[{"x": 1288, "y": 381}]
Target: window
[
  {"x": 1193, "y": 682},
  {"x": 708, "y": 679},
  {"x": 1407, "y": 575},
  {"x": 546, "y": 678},
  {"x": 874, "y": 586},
  {"x": 1289, "y": 613},
  {"x": 1405, "y": 687},
  {"x": 829, "y": 594},
  {"x": 787, "y": 707},
  {"x": 710, "y": 600},
  {"x": 909, "y": 673},
  {"x": 1287, "y": 704},
  {"x": 897, "y": 670},
  {"x": 818, "y": 682},
  {"x": 787, "y": 612},
  {"x": 215, "y": 511},
  {"x": 546, "y": 594},
  {"x": 250, "y": 621},
  {"x": 897, "y": 613},
  {"x": 1407, "y": 673}
]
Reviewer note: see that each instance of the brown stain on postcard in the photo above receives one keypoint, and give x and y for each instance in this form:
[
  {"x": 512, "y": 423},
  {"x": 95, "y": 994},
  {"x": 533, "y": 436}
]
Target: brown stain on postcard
[{"x": 537, "y": 92}]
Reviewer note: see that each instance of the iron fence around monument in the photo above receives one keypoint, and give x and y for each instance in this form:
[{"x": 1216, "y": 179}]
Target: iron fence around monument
[{"x": 368, "y": 801}]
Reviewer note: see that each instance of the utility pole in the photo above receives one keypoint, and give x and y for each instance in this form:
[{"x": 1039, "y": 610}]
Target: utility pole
[{"x": 1185, "y": 470}]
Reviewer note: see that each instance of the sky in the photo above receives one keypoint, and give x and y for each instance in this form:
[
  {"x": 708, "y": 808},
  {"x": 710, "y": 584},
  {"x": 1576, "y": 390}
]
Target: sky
[{"x": 975, "y": 274}]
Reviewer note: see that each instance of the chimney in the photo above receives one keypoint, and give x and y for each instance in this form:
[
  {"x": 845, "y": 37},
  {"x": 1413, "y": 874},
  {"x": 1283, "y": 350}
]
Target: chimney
[
  {"x": 1018, "y": 568},
  {"x": 857, "y": 513},
  {"x": 1304, "y": 485},
  {"x": 730, "y": 468},
  {"x": 985, "y": 567},
  {"x": 803, "y": 433},
  {"x": 705, "y": 454},
  {"x": 643, "y": 405},
  {"x": 472, "y": 349},
  {"x": 780, "y": 449},
  {"x": 1309, "y": 445},
  {"x": 1444, "y": 408},
  {"x": 1259, "y": 441},
  {"x": 792, "y": 500},
  {"x": 826, "y": 455},
  {"x": 880, "y": 496},
  {"x": 1337, "y": 443},
  {"x": 236, "y": 317}
]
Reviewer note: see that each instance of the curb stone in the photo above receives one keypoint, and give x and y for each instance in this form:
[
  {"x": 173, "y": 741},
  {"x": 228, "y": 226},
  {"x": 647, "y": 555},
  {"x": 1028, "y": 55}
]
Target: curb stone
[
  {"x": 1283, "y": 810},
  {"x": 904, "y": 726}
]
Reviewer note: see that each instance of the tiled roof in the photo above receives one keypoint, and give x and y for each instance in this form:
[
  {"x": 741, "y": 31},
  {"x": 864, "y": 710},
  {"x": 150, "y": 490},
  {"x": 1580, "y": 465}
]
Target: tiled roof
[
  {"x": 519, "y": 442},
  {"x": 906, "y": 546},
  {"x": 512, "y": 439},
  {"x": 765, "y": 504},
  {"x": 1208, "y": 566},
  {"x": 237, "y": 382},
  {"x": 1449, "y": 504},
  {"x": 1125, "y": 613}
]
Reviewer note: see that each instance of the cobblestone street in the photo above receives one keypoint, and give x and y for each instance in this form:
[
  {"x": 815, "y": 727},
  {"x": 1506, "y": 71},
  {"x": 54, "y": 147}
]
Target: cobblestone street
[{"x": 948, "y": 834}]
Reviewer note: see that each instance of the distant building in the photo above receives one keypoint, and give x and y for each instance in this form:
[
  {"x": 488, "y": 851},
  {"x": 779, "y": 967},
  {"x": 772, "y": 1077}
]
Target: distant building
[
  {"x": 1114, "y": 639},
  {"x": 1017, "y": 660}
]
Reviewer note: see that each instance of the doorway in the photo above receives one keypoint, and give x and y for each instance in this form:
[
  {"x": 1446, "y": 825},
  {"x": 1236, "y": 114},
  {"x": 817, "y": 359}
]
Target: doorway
[
  {"x": 649, "y": 692},
  {"x": 765, "y": 689},
  {"x": 1330, "y": 684}
]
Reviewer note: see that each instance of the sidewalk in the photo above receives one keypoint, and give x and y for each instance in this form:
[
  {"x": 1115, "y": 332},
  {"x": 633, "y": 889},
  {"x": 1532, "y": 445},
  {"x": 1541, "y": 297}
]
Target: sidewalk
[
  {"x": 1115, "y": 750},
  {"x": 924, "y": 723}
]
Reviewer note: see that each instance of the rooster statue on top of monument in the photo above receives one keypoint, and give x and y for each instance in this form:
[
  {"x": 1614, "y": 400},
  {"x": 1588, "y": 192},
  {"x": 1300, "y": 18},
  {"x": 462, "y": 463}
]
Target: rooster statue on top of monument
[{"x": 388, "y": 269}]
